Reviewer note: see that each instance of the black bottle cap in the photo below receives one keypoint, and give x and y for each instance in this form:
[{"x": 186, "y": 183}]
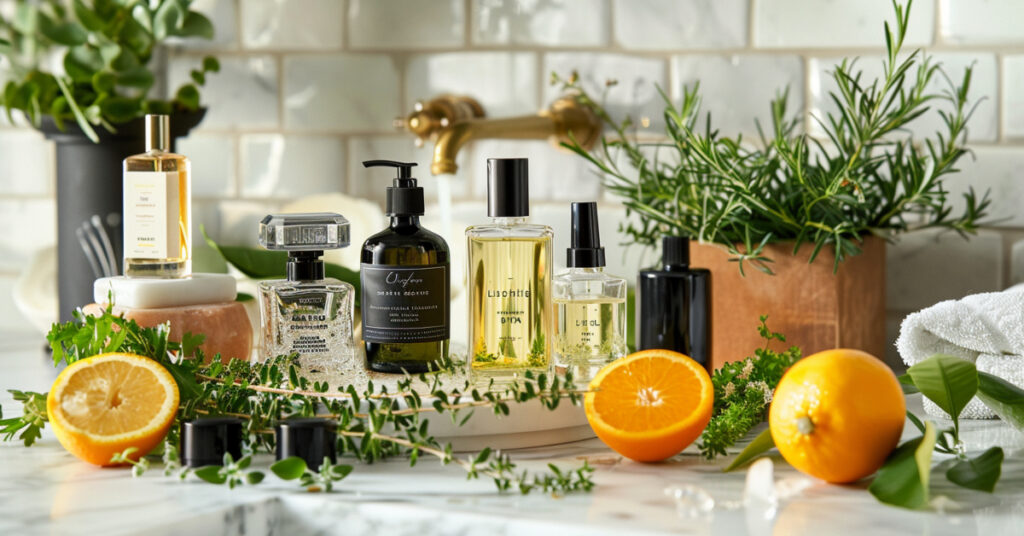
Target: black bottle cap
[
  {"x": 508, "y": 188},
  {"x": 305, "y": 266},
  {"x": 204, "y": 441},
  {"x": 586, "y": 250},
  {"x": 675, "y": 251},
  {"x": 311, "y": 439},
  {"x": 404, "y": 197}
]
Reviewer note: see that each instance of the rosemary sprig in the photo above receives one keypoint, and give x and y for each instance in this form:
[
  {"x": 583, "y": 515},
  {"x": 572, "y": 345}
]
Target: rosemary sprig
[
  {"x": 373, "y": 423},
  {"x": 867, "y": 176}
]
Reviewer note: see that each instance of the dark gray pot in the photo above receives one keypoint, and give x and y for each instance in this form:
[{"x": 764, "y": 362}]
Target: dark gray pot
[{"x": 89, "y": 188}]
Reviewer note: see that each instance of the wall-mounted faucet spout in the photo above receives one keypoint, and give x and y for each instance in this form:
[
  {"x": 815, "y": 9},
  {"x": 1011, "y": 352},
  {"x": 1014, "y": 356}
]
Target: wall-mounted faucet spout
[{"x": 451, "y": 121}]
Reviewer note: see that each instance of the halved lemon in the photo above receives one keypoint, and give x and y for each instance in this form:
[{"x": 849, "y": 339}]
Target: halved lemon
[
  {"x": 104, "y": 404},
  {"x": 650, "y": 405}
]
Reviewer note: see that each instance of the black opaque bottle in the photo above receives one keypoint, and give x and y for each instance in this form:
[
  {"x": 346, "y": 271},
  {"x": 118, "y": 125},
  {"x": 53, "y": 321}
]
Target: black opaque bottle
[
  {"x": 673, "y": 304},
  {"x": 405, "y": 280}
]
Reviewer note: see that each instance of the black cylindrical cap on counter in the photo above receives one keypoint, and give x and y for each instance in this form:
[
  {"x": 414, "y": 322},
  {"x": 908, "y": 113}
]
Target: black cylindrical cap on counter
[
  {"x": 675, "y": 251},
  {"x": 508, "y": 188},
  {"x": 585, "y": 250},
  {"x": 204, "y": 441},
  {"x": 311, "y": 439}
]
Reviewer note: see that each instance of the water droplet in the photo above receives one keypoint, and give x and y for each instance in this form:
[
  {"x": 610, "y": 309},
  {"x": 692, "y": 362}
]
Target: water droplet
[{"x": 691, "y": 501}]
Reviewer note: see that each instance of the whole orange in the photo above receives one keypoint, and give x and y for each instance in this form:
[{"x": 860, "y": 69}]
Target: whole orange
[
  {"x": 837, "y": 415},
  {"x": 650, "y": 405}
]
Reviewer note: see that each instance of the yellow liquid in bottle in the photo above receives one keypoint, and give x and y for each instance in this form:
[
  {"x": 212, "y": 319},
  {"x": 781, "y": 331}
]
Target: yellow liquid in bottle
[
  {"x": 179, "y": 262},
  {"x": 510, "y": 305}
]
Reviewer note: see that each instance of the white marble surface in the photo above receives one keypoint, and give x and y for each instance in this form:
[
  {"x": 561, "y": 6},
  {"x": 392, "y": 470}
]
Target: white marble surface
[{"x": 43, "y": 490}]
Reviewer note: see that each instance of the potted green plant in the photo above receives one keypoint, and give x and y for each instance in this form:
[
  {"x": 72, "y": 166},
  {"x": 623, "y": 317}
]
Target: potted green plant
[
  {"x": 80, "y": 72},
  {"x": 783, "y": 201}
]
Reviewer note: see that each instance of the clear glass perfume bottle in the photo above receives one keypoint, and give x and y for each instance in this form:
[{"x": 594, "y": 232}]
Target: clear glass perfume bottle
[
  {"x": 157, "y": 207},
  {"x": 590, "y": 305},
  {"x": 509, "y": 280},
  {"x": 306, "y": 314}
]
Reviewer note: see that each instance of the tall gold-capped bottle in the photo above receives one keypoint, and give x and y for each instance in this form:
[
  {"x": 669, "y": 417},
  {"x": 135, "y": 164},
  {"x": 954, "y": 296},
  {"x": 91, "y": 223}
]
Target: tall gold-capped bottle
[
  {"x": 157, "y": 207},
  {"x": 510, "y": 307}
]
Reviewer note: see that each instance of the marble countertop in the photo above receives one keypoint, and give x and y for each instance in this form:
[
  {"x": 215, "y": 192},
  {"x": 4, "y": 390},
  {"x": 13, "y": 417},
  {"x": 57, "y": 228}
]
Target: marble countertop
[{"x": 44, "y": 490}]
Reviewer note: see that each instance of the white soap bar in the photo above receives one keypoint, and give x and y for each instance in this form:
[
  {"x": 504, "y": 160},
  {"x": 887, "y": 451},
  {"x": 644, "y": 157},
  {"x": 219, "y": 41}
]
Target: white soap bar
[{"x": 142, "y": 292}]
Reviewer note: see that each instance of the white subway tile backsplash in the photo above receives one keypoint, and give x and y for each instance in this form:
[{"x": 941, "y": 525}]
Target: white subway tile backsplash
[
  {"x": 982, "y": 22},
  {"x": 551, "y": 23},
  {"x": 928, "y": 266},
  {"x": 17, "y": 248},
  {"x": 1013, "y": 96},
  {"x": 290, "y": 24},
  {"x": 244, "y": 94},
  {"x": 239, "y": 221},
  {"x": 213, "y": 163},
  {"x": 624, "y": 85},
  {"x": 983, "y": 125},
  {"x": 341, "y": 92},
  {"x": 678, "y": 25},
  {"x": 401, "y": 24},
  {"x": 26, "y": 163},
  {"x": 999, "y": 170},
  {"x": 504, "y": 83},
  {"x": 836, "y": 23},
  {"x": 288, "y": 166},
  {"x": 736, "y": 89}
]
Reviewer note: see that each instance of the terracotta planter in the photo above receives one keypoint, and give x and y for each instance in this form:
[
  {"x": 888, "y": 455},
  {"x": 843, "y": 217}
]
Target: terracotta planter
[{"x": 813, "y": 307}]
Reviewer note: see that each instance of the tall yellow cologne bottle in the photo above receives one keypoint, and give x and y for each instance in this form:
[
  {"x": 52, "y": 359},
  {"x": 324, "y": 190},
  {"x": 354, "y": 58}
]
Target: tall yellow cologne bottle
[
  {"x": 157, "y": 207},
  {"x": 510, "y": 307}
]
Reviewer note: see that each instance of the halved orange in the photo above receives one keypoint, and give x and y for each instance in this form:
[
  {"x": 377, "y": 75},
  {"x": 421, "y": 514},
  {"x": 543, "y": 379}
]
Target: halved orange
[
  {"x": 105, "y": 404},
  {"x": 650, "y": 405}
]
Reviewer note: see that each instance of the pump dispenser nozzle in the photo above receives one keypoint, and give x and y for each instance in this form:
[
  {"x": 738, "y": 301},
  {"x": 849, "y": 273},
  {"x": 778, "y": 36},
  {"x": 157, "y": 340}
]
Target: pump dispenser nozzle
[
  {"x": 404, "y": 197},
  {"x": 585, "y": 250}
]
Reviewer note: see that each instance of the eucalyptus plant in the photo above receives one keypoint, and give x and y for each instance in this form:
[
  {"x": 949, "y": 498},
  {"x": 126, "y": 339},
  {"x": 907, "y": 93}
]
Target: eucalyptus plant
[
  {"x": 867, "y": 175},
  {"x": 88, "y": 61}
]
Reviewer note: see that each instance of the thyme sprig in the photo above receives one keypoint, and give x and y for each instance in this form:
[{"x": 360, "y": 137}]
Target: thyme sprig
[
  {"x": 373, "y": 422},
  {"x": 743, "y": 393},
  {"x": 867, "y": 174}
]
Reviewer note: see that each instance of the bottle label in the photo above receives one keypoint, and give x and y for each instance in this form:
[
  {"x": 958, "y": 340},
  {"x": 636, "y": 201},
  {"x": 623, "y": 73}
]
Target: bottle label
[
  {"x": 151, "y": 214},
  {"x": 405, "y": 303}
]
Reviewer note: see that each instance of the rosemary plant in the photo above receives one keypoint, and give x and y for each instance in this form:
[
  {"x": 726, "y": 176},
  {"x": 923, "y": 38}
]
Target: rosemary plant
[
  {"x": 372, "y": 423},
  {"x": 867, "y": 176}
]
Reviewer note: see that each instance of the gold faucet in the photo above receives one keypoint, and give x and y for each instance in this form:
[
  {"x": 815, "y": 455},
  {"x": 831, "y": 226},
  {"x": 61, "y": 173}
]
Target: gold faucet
[{"x": 453, "y": 120}]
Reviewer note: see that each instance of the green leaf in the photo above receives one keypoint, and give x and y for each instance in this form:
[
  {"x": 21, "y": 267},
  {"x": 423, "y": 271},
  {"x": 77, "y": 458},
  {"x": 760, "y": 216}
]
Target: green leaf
[
  {"x": 126, "y": 60},
  {"x": 907, "y": 384},
  {"x": 103, "y": 81},
  {"x": 340, "y": 471},
  {"x": 254, "y": 477},
  {"x": 79, "y": 117},
  {"x": 88, "y": 17},
  {"x": 979, "y": 473},
  {"x": 196, "y": 25},
  {"x": 120, "y": 109},
  {"x": 903, "y": 480},
  {"x": 198, "y": 76},
  {"x": 289, "y": 468},
  {"x": 167, "y": 19},
  {"x": 139, "y": 77},
  {"x": 82, "y": 62},
  {"x": 1004, "y": 399},
  {"x": 244, "y": 297},
  {"x": 188, "y": 97},
  {"x": 211, "y": 65},
  {"x": 948, "y": 381},
  {"x": 69, "y": 34},
  {"x": 157, "y": 107},
  {"x": 761, "y": 444},
  {"x": 211, "y": 474}
]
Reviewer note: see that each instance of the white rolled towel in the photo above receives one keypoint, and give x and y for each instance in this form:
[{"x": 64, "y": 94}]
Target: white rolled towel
[{"x": 986, "y": 329}]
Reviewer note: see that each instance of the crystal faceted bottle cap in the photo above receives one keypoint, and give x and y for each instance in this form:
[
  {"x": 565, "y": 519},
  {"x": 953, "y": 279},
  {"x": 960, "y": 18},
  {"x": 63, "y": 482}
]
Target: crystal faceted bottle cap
[{"x": 304, "y": 232}]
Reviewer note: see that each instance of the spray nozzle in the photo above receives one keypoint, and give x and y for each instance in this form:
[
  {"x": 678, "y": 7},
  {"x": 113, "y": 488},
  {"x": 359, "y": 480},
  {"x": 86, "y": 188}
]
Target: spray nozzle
[{"x": 404, "y": 197}]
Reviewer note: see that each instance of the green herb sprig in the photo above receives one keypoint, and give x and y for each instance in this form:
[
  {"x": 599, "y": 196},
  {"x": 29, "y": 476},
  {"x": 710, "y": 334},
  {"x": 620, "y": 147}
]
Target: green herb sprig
[
  {"x": 743, "y": 391},
  {"x": 263, "y": 393},
  {"x": 867, "y": 176}
]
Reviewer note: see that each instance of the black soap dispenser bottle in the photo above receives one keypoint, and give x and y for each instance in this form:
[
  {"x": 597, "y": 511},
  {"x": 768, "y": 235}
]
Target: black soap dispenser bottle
[
  {"x": 405, "y": 280},
  {"x": 673, "y": 304}
]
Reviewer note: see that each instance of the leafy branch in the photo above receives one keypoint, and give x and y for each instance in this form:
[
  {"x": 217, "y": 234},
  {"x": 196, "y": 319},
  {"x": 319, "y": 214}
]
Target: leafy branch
[{"x": 868, "y": 175}]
